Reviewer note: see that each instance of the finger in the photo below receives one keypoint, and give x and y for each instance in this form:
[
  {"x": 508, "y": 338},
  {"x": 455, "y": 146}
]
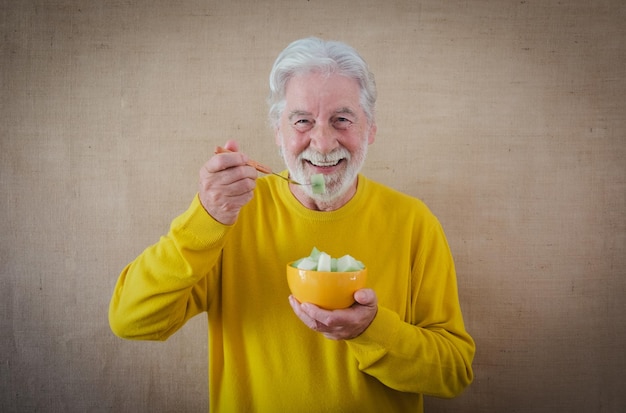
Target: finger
[
  {"x": 227, "y": 188},
  {"x": 226, "y": 175},
  {"x": 303, "y": 316},
  {"x": 222, "y": 161},
  {"x": 232, "y": 145},
  {"x": 318, "y": 314}
]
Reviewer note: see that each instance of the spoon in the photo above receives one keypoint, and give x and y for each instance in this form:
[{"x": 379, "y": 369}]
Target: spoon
[{"x": 259, "y": 167}]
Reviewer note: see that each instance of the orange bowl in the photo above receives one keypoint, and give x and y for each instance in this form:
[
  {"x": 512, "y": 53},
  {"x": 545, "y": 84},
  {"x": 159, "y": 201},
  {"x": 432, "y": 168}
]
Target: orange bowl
[{"x": 326, "y": 289}]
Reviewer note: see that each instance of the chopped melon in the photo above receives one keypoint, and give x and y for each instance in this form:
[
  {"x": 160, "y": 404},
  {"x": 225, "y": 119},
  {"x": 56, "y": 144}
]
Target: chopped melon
[
  {"x": 321, "y": 261},
  {"x": 323, "y": 264},
  {"x": 318, "y": 184},
  {"x": 348, "y": 263},
  {"x": 307, "y": 264},
  {"x": 315, "y": 254}
]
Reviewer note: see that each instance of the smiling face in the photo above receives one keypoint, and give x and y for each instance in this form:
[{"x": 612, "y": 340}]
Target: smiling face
[{"x": 324, "y": 130}]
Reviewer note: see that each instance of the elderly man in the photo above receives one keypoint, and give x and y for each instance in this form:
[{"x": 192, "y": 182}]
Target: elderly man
[{"x": 402, "y": 338}]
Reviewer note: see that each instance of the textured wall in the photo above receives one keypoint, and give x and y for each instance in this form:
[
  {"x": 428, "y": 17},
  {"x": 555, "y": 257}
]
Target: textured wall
[{"x": 507, "y": 117}]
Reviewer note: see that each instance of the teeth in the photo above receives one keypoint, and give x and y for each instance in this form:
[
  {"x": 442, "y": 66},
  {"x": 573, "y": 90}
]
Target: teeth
[
  {"x": 325, "y": 160},
  {"x": 325, "y": 163}
]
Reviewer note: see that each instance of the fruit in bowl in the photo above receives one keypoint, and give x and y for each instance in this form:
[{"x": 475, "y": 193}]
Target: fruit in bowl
[{"x": 327, "y": 282}]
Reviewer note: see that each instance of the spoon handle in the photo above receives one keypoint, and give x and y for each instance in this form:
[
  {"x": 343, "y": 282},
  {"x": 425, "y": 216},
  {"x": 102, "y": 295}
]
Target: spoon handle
[{"x": 258, "y": 166}]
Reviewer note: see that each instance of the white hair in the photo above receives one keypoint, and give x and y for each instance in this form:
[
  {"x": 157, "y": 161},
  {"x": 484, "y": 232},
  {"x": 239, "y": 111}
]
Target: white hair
[{"x": 316, "y": 55}]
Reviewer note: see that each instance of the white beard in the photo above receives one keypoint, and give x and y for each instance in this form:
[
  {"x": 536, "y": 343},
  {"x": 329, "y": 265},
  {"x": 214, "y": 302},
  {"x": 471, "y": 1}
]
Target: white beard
[{"x": 338, "y": 183}]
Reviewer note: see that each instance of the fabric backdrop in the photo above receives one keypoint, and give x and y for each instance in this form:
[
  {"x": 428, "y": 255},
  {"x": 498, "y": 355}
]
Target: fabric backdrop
[{"x": 507, "y": 117}]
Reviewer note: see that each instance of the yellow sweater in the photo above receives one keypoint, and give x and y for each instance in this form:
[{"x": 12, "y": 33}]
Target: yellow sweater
[{"x": 262, "y": 358}]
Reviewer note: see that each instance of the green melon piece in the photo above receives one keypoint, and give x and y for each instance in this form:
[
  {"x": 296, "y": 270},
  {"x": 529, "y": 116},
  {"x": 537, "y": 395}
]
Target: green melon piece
[
  {"x": 348, "y": 263},
  {"x": 324, "y": 263},
  {"x": 315, "y": 254},
  {"x": 307, "y": 264},
  {"x": 318, "y": 184}
]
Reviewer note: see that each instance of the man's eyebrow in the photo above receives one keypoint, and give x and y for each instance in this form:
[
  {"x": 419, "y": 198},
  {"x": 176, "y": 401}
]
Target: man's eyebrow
[
  {"x": 297, "y": 113},
  {"x": 345, "y": 110},
  {"x": 341, "y": 111}
]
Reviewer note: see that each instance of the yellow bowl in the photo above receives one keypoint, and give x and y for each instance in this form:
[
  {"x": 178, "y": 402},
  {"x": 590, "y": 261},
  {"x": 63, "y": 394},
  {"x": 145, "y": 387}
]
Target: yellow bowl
[{"x": 326, "y": 289}]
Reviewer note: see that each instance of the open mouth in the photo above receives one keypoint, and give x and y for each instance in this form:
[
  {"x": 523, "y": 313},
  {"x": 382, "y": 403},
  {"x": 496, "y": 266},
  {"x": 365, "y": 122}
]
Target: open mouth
[
  {"x": 314, "y": 162},
  {"x": 325, "y": 168},
  {"x": 328, "y": 164}
]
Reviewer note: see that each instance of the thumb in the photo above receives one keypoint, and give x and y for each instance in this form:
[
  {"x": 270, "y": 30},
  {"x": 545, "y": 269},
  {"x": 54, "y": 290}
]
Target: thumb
[{"x": 366, "y": 296}]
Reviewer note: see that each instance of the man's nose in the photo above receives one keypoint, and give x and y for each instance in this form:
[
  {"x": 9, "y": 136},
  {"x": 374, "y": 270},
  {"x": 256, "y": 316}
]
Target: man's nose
[{"x": 323, "y": 138}]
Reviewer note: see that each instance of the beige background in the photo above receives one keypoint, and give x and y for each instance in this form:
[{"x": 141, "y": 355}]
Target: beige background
[{"x": 508, "y": 118}]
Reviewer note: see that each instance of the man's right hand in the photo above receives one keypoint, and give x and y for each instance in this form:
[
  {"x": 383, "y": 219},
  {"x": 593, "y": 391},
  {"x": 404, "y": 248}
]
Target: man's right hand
[{"x": 226, "y": 184}]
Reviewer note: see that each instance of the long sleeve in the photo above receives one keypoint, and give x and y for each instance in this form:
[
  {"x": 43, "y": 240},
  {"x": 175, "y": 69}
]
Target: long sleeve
[
  {"x": 429, "y": 351},
  {"x": 168, "y": 283}
]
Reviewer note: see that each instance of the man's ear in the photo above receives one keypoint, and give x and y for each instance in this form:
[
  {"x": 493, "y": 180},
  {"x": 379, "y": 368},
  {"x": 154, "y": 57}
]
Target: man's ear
[{"x": 372, "y": 133}]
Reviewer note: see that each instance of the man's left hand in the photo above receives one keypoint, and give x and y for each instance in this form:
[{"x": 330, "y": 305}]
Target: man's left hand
[{"x": 341, "y": 324}]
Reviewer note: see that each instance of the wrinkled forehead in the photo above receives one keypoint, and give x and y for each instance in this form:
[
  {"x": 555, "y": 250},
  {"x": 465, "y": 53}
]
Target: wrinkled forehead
[{"x": 313, "y": 91}]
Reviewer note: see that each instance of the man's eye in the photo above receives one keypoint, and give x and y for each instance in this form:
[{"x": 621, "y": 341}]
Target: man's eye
[
  {"x": 342, "y": 123},
  {"x": 303, "y": 124}
]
